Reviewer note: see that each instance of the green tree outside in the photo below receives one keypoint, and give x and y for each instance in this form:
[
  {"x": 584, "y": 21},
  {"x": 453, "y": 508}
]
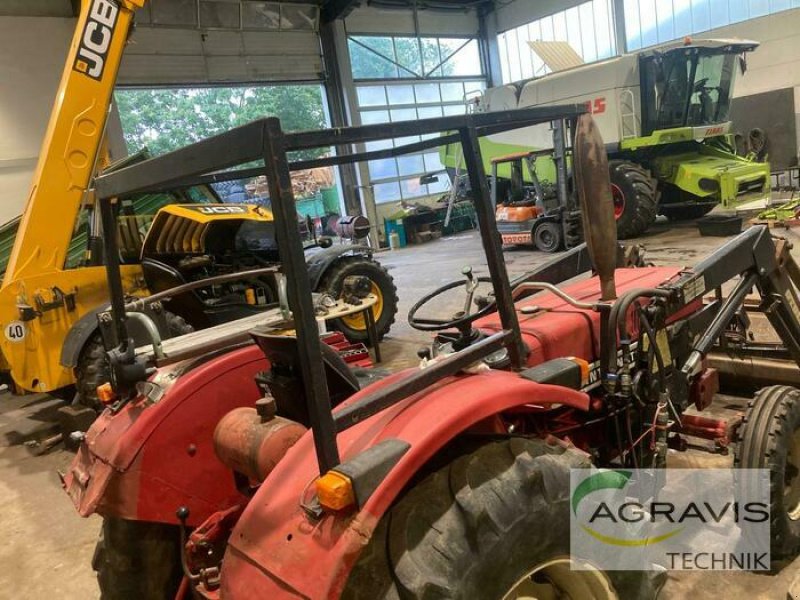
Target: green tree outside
[{"x": 167, "y": 119}]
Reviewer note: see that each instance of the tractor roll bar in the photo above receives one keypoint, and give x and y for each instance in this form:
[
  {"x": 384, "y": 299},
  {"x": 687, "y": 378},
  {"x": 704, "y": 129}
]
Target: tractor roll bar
[{"x": 265, "y": 140}]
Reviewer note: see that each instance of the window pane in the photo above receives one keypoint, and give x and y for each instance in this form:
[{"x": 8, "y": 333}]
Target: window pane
[
  {"x": 427, "y": 93},
  {"x": 587, "y": 32},
  {"x": 682, "y": 14},
  {"x": 440, "y": 186},
  {"x": 406, "y": 140},
  {"x": 433, "y": 162},
  {"x": 400, "y": 94},
  {"x": 365, "y": 64},
  {"x": 383, "y": 168},
  {"x": 378, "y": 145},
  {"x": 758, "y": 8},
  {"x": 719, "y": 12},
  {"x": 369, "y": 117},
  {"x": 373, "y": 95},
  {"x": 603, "y": 28},
  {"x": 410, "y": 164},
  {"x": 453, "y": 109},
  {"x": 633, "y": 33},
  {"x": 737, "y": 11},
  {"x": 386, "y": 192},
  {"x": 466, "y": 61},
  {"x": 701, "y": 18},
  {"x": 429, "y": 112},
  {"x": 452, "y": 92},
  {"x": 666, "y": 28},
  {"x": 403, "y": 114},
  {"x": 647, "y": 18},
  {"x": 411, "y": 188},
  {"x": 430, "y": 56},
  {"x": 501, "y": 42},
  {"x": 778, "y": 5},
  {"x": 574, "y": 30},
  {"x": 513, "y": 56},
  {"x": 408, "y": 56}
]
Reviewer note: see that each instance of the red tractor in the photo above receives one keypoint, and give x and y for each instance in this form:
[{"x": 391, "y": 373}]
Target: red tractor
[{"x": 272, "y": 470}]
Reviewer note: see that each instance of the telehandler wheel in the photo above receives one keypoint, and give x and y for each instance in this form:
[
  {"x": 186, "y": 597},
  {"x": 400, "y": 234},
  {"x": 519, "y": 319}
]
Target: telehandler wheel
[
  {"x": 769, "y": 438},
  {"x": 92, "y": 369},
  {"x": 137, "y": 560},
  {"x": 492, "y": 524},
  {"x": 634, "y": 193},
  {"x": 382, "y": 286},
  {"x": 548, "y": 236}
]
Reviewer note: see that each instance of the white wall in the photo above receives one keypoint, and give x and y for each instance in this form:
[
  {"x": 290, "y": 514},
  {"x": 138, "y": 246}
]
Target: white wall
[{"x": 32, "y": 54}]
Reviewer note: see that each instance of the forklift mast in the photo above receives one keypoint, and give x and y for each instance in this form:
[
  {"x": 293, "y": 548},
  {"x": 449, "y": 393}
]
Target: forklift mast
[{"x": 74, "y": 138}]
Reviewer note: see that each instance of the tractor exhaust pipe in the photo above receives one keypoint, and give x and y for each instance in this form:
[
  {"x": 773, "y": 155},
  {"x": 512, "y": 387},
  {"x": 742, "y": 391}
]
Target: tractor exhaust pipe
[{"x": 597, "y": 206}]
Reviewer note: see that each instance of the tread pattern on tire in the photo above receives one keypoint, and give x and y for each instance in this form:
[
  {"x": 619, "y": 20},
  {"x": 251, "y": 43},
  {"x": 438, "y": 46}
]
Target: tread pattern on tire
[
  {"x": 92, "y": 369},
  {"x": 338, "y": 271},
  {"x": 468, "y": 520},
  {"x": 137, "y": 560},
  {"x": 641, "y": 205},
  {"x": 769, "y": 419}
]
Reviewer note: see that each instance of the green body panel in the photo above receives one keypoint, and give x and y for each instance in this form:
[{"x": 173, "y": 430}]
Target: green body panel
[
  {"x": 737, "y": 179},
  {"x": 684, "y": 166}
]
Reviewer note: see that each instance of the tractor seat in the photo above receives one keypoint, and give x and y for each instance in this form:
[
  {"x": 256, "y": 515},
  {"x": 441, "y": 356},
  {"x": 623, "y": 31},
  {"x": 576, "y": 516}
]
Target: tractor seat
[{"x": 284, "y": 381}]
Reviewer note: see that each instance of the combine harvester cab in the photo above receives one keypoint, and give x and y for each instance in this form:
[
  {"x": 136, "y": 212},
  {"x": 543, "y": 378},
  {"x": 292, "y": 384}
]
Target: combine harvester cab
[{"x": 664, "y": 114}]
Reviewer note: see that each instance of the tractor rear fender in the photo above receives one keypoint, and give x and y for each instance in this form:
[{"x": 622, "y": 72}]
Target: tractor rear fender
[
  {"x": 319, "y": 259},
  {"x": 156, "y": 454},
  {"x": 275, "y": 543}
]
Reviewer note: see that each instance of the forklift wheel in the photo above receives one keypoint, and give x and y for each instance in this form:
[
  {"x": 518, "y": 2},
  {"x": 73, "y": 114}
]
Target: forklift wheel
[
  {"x": 770, "y": 439},
  {"x": 493, "y": 523},
  {"x": 548, "y": 236}
]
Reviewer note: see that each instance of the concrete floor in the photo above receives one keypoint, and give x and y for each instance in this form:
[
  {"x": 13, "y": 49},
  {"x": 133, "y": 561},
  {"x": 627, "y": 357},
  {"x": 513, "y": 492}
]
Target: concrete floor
[{"x": 48, "y": 548}]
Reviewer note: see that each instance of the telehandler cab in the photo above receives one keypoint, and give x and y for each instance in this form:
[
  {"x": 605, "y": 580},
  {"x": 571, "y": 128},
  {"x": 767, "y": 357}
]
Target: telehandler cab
[{"x": 269, "y": 470}]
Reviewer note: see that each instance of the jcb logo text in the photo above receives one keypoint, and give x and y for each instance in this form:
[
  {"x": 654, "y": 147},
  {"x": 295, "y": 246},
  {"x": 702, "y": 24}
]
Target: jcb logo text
[{"x": 96, "y": 38}]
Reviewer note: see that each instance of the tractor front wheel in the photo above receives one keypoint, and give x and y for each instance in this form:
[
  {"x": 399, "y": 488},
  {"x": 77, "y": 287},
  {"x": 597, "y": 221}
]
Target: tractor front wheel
[
  {"x": 770, "y": 439},
  {"x": 137, "y": 560},
  {"x": 634, "y": 195},
  {"x": 93, "y": 370},
  {"x": 382, "y": 285},
  {"x": 493, "y": 523}
]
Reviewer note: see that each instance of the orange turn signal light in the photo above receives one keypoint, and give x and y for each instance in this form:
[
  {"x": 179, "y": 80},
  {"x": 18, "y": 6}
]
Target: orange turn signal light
[
  {"x": 335, "y": 491},
  {"x": 105, "y": 393}
]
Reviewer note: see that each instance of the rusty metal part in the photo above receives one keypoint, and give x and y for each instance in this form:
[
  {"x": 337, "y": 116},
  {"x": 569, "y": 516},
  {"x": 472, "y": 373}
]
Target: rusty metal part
[
  {"x": 597, "y": 205},
  {"x": 703, "y": 388},
  {"x": 754, "y": 370},
  {"x": 720, "y": 431},
  {"x": 355, "y": 227},
  {"x": 251, "y": 445}
]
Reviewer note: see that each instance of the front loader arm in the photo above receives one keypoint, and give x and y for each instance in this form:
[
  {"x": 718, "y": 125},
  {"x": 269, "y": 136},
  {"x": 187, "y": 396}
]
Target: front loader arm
[
  {"x": 763, "y": 263},
  {"x": 73, "y": 139}
]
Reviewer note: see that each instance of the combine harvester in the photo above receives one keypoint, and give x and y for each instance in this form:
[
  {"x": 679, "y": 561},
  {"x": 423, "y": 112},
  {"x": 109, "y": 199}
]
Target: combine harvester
[{"x": 664, "y": 114}]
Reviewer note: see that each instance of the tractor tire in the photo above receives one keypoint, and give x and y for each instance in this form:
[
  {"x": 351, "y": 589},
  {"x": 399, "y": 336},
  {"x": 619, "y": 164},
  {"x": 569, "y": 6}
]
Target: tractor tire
[
  {"x": 332, "y": 282},
  {"x": 479, "y": 526},
  {"x": 686, "y": 213},
  {"x": 638, "y": 196},
  {"x": 769, "y": 438},
  {"x": 137, "y": 560},
  {"x": 548, "y": 237},
  {"x": 92, "y": 369}
]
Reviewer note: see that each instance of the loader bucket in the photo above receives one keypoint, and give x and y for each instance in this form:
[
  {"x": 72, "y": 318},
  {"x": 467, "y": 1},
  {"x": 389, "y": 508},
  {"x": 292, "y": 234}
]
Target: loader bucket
[{"x": 597, "y": 205}]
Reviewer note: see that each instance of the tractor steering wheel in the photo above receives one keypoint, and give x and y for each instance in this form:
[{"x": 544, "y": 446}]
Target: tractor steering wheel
[{"x": 463, "y": 319}]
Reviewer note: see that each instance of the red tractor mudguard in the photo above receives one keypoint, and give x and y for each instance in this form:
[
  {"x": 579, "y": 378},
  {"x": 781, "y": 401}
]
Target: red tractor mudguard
[
  {"x": 153, "y": 457},
  {"x": 277, "y": 551}
]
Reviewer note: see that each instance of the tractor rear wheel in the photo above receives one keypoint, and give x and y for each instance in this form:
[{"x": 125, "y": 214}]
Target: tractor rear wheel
[
  {"x": 769, "y": 438},
  {"x": 93, "y": 370},
  {"x": 382, "y": 285},
  {"x": 137, "y": 560},
  {"x": 634, "y": 194},
  {"x": 494, "y": 524}
]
